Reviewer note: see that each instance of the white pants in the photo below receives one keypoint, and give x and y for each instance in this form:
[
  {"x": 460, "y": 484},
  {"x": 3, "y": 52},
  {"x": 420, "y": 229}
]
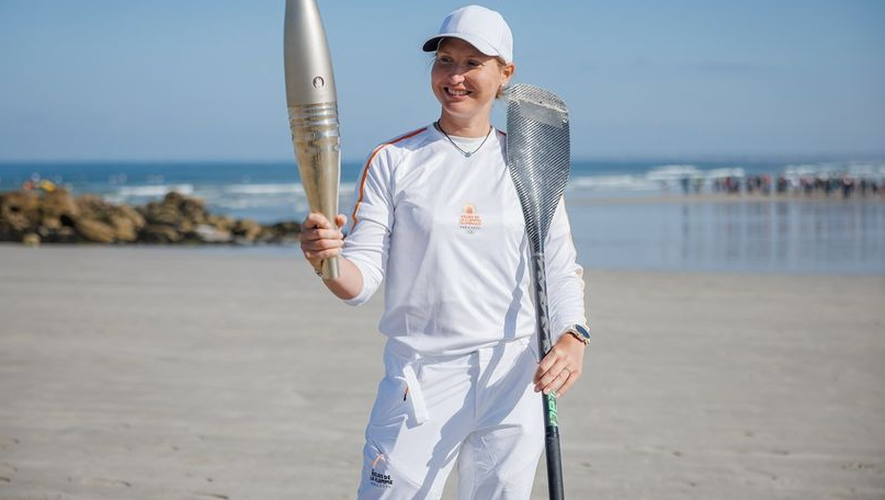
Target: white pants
[{"x": 479, "y": 408}]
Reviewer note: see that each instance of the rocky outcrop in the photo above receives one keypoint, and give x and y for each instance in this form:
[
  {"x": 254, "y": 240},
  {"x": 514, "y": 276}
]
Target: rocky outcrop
[
  {"x": 19, "y": 212},
  {"x": 58, "y": 217}
]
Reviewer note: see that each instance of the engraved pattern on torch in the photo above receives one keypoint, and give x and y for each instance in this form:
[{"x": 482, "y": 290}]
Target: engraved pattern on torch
[{"x": 317, "y": 144}]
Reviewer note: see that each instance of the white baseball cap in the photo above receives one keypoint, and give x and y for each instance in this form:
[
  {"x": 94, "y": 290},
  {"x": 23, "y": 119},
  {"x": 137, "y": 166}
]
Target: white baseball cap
[{"x": 483, "y": 28}]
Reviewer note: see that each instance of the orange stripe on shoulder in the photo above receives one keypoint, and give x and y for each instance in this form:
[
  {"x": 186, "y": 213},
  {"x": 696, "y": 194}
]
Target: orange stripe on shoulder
[{"x": 359, "y": 199}]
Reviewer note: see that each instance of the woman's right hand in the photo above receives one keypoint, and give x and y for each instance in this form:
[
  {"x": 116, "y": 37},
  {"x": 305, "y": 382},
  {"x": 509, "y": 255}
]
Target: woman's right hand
[{"x": 319, "y": 239}]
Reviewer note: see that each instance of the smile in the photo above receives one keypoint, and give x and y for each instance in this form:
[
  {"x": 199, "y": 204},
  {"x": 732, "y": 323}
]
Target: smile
[{"x": 454, "y": 92}]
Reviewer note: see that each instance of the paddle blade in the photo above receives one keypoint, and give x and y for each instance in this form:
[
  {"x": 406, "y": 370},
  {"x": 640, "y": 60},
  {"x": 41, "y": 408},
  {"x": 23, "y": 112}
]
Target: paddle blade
[{"x": 538, "y": 154}]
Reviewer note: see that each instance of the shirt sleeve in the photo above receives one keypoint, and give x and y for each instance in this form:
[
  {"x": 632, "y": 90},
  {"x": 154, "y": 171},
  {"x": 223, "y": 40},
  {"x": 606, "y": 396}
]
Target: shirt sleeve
[
  {"x": 368, "y": 241},
  {"x": 565, "y": 278}
]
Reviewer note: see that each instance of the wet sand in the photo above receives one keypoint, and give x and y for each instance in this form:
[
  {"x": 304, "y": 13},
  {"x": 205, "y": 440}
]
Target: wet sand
[
  {"x": 147, "y": 373},
  {"x": 707, "y": 197}
]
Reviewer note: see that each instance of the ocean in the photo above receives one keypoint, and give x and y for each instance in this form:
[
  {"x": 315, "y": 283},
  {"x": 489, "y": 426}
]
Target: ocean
[{"x": 625, "y": 215}]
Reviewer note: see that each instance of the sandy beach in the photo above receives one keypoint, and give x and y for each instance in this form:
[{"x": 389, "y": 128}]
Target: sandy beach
[{"x": 159, "y": 373}]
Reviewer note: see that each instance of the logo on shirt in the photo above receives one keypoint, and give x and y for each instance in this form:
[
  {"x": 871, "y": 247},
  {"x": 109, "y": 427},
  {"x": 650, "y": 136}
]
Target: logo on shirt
[
  {"x": 470, "y": 221},
  {"x": 379, "y": 479}
]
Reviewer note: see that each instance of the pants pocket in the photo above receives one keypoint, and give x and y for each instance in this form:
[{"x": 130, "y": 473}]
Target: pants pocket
[
  {"x": 402, "y": 393},
  {"x": 414, "y": 396}
]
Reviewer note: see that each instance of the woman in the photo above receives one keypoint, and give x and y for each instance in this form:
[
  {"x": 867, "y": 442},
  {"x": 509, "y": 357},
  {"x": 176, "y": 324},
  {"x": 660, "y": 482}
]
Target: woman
[{"x": 438, "y": 217}]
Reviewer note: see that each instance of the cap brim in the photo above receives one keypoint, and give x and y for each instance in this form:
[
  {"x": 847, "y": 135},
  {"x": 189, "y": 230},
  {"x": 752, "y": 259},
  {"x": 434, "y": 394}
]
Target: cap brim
[{"x": 481, "y": 45}]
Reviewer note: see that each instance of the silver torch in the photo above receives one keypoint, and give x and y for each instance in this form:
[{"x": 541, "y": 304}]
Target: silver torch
[{"x": 313, "y": 111}]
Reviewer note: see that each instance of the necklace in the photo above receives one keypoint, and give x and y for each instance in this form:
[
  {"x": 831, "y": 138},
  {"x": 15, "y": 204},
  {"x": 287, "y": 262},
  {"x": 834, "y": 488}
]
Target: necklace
[{"x": 467, "y": 154}]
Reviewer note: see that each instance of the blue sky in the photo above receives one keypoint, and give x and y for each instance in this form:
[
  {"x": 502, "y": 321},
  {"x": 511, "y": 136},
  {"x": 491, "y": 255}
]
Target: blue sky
[{"x": 203, "y": 79}]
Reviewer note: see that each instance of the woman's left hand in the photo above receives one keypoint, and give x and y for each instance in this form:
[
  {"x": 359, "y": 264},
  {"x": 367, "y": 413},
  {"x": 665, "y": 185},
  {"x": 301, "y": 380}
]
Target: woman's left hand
[{"x": 561, "y": 367}]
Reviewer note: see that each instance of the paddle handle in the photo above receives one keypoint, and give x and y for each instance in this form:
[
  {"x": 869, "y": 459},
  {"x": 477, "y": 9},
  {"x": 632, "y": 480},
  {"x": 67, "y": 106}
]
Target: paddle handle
[{"x": 554, "y": 458}]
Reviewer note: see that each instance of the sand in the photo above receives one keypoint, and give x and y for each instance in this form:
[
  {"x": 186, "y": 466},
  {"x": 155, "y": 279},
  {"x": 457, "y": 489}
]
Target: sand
[
  {"x": 145, "y": 373},
  {"x": 705, "y": 197}
]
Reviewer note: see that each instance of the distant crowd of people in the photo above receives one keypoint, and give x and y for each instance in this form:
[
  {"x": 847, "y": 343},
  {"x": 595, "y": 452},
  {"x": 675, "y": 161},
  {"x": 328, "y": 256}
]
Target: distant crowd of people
[{"x": 845, "y": 185}]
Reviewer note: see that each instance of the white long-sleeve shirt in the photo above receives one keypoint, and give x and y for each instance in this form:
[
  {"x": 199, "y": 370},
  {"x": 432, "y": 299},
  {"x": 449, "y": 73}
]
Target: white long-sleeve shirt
[{"x": 447, "y": 234}]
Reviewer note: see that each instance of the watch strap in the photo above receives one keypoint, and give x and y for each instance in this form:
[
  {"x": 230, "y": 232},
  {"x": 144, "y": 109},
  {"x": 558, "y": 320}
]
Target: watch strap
[{"x": 580, "y": 332}]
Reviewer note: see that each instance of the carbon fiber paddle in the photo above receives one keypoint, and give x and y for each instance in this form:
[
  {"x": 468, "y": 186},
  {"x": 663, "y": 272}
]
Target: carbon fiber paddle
[{"x": 538, "y": 159}]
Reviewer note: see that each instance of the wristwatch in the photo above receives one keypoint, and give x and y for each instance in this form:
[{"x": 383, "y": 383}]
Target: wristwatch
[{"x": 580, "y": 332}]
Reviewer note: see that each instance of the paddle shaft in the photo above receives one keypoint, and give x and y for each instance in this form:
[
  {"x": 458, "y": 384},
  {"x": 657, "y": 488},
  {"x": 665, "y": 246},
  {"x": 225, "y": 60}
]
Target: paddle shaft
[{"x": 551, "y": 423}]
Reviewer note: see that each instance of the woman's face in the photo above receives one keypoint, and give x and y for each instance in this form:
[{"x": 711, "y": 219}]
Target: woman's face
[{"x": 465, "y": 81}]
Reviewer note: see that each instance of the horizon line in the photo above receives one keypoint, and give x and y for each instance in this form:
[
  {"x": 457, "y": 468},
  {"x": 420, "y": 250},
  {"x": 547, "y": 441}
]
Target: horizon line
[{"x": 717, "y": 157}]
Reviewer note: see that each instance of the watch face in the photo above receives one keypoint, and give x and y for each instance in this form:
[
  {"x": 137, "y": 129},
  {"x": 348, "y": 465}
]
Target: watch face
[{"x": 582, "y": 331}]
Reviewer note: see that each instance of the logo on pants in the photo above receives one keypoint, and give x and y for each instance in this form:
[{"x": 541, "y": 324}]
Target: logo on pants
[{"x": 377, "y": 478}]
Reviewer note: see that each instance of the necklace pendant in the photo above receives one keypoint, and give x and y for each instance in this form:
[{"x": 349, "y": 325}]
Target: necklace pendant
[{"x": 467, "y": 154}]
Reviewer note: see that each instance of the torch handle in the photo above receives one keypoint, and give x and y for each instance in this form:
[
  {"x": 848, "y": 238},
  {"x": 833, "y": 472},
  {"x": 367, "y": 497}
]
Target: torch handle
[{"x": 331, "y": 269}]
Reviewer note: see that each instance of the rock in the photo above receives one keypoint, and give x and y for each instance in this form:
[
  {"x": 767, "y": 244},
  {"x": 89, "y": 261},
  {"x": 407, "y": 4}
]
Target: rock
[
  {"x": 19, "y": 213},
  {"x": 159, "y": 233},
  {"x": 52, "y": 224},
  {"x": 58, "y": 209},
  {"x": 221, "y": 222},
  {"x": 91, "y": 206},
  {"x": 124, "y": 221},
  {"x": 173, "y": 198},
  {"x": 161, "y": 213},
  {"x": 64, "y": 234},
  {"x": 193, "y": 210},
  {"x": 186, "y": 227},
  {"x": 124, "y": 228},
  {"x": 281, "y": 232},
  {"x": 127, "y": 212},
  {"x": 95, "y": 231},
  {"x": 288, "y": 227},
  {"x": 246, "y": 230},
  {"x": 127, "y": 223},
  {"x": 31, "y": 240},
  {"x": 58, "y": 217},
  {"x": 177, "y": 210},
  {"x": 210, "y": 234}
]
